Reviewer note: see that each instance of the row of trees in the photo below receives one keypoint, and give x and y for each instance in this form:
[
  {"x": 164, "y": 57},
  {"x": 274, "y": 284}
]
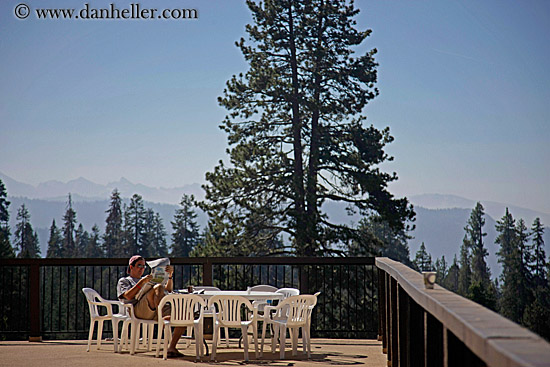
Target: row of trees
[
  {"x": 522, "y": 291},
  {"x": 130, "y": 229}
]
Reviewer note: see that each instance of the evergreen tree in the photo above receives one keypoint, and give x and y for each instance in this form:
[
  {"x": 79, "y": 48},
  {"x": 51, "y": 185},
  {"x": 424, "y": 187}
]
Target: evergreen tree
[
  {"x": 93, "y": 247},
  {"x": 6, "y": 250},
  {"x": 296, "y": 135},
  {"x": 475, "y": 234},
  {"x": 69, "y": 248},
  {"x": 26, "y": 240},
  {"x": 465, "y": 270},
  {"x": 451, "y": 280},
  {"x": 114, "y": 235},
  {"x": 159, "y": 239},
  {"x": 441, "y": 269},
  {"x": 423, "y": 260},
  {"x": 55, "y": 242},
  {"x": 154, "y": 235},
  {"x": 81, "y": 239},
  {"x": 185, "y": 235},
  {"x": 134, "y": 225},
  {"x": 539, "y": 258},
  {"x": 377, "y": 238},
  {"x": 509, "y": 257}
]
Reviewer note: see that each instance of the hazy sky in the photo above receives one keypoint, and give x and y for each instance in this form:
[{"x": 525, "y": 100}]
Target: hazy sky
[{"x": 464, "y": 87}]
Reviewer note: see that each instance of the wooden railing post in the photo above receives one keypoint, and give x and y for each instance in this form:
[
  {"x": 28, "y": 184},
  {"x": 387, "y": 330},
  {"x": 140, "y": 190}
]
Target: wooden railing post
[
  {"x": 404, "y": 327},
  {"x": 35, "y": 334},
  {"x": 416, "y": 329},
  {"x": 382, "y": 308},
  {"x": 207, "y": 272}
]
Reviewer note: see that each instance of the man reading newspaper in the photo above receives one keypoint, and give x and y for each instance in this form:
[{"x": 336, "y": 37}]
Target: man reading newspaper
[{"x": 145, "y": 292}]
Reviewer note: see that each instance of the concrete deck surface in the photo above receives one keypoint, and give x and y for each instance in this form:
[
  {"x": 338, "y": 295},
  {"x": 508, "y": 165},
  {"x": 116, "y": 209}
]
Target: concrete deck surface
[{"x": 72, "y": 353}]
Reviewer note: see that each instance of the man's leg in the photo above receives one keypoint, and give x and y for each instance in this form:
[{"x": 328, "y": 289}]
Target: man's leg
[
  {"x": 176, "y": 335},
  {"x": 154, "y": 296}
]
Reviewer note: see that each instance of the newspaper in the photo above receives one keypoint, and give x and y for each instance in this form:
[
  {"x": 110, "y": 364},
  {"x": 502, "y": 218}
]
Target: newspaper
[{"x": 160, "y": 276}]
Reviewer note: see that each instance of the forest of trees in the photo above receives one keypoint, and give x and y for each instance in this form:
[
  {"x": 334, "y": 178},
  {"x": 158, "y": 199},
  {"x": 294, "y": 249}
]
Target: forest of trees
[{"x": 521, "y": 292}]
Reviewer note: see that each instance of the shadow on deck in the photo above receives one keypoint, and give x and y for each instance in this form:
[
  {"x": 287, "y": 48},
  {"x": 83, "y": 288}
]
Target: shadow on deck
[{"x": 72, "y": 353}]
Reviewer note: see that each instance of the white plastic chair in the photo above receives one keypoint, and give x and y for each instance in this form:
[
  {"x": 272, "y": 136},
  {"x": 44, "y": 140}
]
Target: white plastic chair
[
  {"x": 147, "y": 327},
  {"x": 182, "y": 314},
  {"x": 228, "y": 315},
  {"x": 208, "y": 312},
  {"x": 292, "y": 313},
  {"x": 95, "y": 301},
  {"x": 288, "y": 292}
]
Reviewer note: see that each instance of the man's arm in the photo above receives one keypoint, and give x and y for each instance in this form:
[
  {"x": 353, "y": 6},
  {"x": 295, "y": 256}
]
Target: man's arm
[
  {"x": 170, "y": 283},
  {"x": 131, "y": 293}
]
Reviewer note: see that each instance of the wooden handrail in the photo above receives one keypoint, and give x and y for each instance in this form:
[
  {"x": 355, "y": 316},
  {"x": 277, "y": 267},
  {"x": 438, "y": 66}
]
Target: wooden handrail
[{"x": 492, "y": 338}]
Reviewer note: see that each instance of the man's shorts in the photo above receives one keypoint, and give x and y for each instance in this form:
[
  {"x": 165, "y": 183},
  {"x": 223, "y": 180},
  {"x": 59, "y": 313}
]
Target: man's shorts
[{"x": 143, "y": 311}]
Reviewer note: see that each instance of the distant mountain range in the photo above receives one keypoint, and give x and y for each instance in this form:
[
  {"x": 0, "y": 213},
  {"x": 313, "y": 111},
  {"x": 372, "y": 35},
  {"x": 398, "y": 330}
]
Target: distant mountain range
[
  {"x": 82, "y": 189},
  {"x": 440, "y": 219}
]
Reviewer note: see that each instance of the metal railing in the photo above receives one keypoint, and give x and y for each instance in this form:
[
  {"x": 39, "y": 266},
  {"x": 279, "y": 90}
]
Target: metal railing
[
  {"x": 43, "y": 297},
  {"x": 436, "y": 327}
]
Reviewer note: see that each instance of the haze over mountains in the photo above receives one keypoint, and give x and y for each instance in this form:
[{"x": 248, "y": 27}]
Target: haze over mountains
[{"x": 440, "y": 219}]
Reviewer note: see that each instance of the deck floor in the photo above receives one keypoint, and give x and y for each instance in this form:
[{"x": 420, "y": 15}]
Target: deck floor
[{"x": 72, "y": 353}]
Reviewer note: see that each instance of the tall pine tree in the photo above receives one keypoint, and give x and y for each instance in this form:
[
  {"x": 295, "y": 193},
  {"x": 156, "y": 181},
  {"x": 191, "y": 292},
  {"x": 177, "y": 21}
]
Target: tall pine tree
[
  {"x": 134, "y": 225},
  {"x": 539, "y": 260},
  {"x": 185, "y": 235},
  {"x": 113, "y": 238},
  {"x": 296, "y": 134},
  {"x": 55, "y": 243},
  {"x": 26, "y": 240},
  {"x": 69, "y": 248},
  {"x": 423, "y": 260},
  {"x": 511, "y": 305},
  {"x": 6, "y": 250}
]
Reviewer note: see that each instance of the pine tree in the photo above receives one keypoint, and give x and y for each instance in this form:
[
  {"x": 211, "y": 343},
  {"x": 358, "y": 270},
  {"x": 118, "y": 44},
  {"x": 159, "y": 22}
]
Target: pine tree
[
  {"x": 81, "y": 239},
  {"x": 441, "y": 269},
  {"x": 451, "y": 280},
  {"x": 539, "y": 258},
  {"x": 159, "y": 238},
  {"x": 69, "y": 248},
  {"x": 423, "y": 260},
  {"x": 55, "y": 242},
  {"x": 509, "y": 257},
  {"x": 114, "y": 235},
  {"x": 377, "y": 238},
  {"x": 475, "y": 234},
  {"x": 465, "y": 270},
  {"x": 185, "y": 235},
  {"x": 6, "y": 250},
  {"x": 134, "y": 225},
  {"x": 93, "y": 246},
  {"x": 26, "y": 240},
  {"x": 296, "y": 135}
]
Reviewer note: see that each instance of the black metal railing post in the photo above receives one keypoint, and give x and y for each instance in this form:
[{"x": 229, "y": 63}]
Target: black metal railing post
[{"x": 34, "y": 303}]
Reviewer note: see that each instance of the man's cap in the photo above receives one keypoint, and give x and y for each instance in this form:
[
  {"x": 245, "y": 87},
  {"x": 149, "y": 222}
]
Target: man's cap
[{"x": 133, "y": 260}]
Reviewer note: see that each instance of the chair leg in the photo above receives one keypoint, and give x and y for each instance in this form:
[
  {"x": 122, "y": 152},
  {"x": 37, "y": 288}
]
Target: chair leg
[
  {"x": 160, "y": 331},
  {"x": 282, "y": 343},
  {"x": 167, "y": 331},
  {"x": 90, "y": 334},
  {"x": 198, "y": 344},
  {"x": 244, "y": 331},
  {"x": 255, "y": 334},
  {"x": 227, "y": 337},
  {"x": 99, "y": 333},
  {"x": 134, "y": 337},
  {"x": 215, "y": 341},
  {"x": 115, "y": 334},
  {"x": 294, "y": 335},
  {"x": 264, "y": 327},
  {"x": 124, "y": 335}
]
